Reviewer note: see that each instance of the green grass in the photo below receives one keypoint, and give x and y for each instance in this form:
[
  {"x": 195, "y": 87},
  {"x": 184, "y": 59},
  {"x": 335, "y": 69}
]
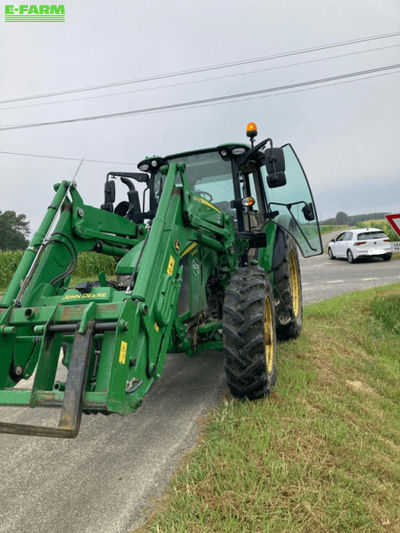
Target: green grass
[
  {"x": 322, "y": 453},
  {"x": 329, "y": 228}
]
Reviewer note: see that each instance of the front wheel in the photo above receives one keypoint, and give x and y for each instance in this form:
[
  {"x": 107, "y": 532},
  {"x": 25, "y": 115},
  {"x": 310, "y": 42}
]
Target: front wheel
[
  {"x": 387, "y": 257},
  {"x": 330, "y": 254},
  {"x": 249, "y": 334},
  {"x": 350, "y": 257}
]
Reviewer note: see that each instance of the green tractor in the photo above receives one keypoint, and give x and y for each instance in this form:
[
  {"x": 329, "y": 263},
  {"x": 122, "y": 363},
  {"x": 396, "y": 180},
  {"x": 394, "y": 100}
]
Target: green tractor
[{"x": 206, "y": 257}]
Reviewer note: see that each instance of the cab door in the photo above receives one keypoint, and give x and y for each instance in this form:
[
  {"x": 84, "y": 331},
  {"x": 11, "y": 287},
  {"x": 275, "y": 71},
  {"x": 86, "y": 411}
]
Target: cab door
[{"x": 294, "y": 204}]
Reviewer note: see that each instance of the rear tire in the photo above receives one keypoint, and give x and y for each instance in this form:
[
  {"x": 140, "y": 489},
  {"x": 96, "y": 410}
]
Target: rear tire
[
  {"x": 249, "y": 334},
  {"x": 289, "y": 303},
  {"x": 387, "y": 257},
  {"x": 350, "y": 257}
]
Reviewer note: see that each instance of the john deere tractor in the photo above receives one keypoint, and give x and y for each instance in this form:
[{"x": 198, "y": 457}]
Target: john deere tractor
[{"x": 206, "y": 257}]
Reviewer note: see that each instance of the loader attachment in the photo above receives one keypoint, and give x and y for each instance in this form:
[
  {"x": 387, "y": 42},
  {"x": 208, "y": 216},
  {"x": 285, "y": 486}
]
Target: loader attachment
[
  {"x": 70, "y": 418},
  {"x": 112, "y": 335}
]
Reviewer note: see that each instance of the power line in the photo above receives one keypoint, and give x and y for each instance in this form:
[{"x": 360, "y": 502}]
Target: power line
[
  {"x": 314, "y": 88},
  {"x": 277, "y": 67},
  {"x": 68, "y": 158},
  {"x": 217, "y": 103},
  {"x": 203, "y": 101},
  {"x": 205, "y": 69}
]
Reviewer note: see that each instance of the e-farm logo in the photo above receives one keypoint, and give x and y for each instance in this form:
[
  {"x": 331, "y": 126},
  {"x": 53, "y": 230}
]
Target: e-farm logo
[{"x": 34, "y": 13}]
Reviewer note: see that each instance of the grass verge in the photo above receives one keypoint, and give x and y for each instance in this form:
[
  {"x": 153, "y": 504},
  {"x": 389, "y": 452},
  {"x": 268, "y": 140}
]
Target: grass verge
[{"x": 322, "y": 453}]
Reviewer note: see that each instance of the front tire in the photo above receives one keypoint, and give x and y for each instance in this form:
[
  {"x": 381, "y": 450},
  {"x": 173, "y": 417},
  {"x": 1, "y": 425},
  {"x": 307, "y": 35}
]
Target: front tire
[
  {"x": 289, "y": 303},
  {"x": 330, "y": 254},
  {"x": 249, "y": 334},
  {"x": 387, "y": 257}
]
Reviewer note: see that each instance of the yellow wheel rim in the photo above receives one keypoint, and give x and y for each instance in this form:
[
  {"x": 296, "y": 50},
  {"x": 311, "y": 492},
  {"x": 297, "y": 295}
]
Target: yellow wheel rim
[
  {"x": 269, "y": 336},
  {"x": 294, "y": 283}
]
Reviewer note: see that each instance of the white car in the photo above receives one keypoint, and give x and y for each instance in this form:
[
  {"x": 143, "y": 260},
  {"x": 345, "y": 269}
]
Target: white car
[{"x": 365, "y": 242}]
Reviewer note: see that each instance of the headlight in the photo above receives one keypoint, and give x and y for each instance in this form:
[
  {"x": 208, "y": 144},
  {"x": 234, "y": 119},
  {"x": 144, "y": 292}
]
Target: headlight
[
  {"x": 238, "y": 150},
  {"x": 248, "y": 201}
]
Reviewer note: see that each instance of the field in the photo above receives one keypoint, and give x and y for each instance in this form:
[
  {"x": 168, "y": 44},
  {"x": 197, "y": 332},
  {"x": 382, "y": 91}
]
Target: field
[
  {"x": 329, "y": 228},
  {"x": 381, "y": 224},
  {"x": 322, "y": 453},
  {"x": 89, "y": 264}
]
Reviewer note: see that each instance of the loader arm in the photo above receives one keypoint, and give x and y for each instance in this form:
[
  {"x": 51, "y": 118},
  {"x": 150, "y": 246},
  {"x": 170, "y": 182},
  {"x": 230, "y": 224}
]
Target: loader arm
[{"x": 114, "y": 340}]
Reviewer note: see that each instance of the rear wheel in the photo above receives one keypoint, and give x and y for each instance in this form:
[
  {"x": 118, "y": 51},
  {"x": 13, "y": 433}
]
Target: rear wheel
[
  {"x": 350, "y": 257},
  {"x": 387, "y": 257},
  {"x": 289, "y": 301},
  {"x": 249, "y": 334}
]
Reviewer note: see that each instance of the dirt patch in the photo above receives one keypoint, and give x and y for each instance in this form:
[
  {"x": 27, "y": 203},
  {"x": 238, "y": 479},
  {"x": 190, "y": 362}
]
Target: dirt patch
[{"x": 359, "y": 386}]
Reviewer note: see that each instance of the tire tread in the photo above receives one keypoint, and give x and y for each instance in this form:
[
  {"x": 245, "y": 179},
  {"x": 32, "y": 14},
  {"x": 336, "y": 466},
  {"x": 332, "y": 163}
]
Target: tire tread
[{"x": 243, "y": 334}]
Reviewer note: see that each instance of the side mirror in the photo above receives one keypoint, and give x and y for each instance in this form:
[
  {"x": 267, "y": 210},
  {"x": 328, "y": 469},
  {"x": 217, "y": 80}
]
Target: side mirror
[
  {"x": 276, "y": 180},
  {"x": 275, "y": 164},
  {"x": 333, "y": 240},
  {"x": 109, "y": 196},
  {"x": 274, "y": 160},
  {"x": 308, "y": 212}
]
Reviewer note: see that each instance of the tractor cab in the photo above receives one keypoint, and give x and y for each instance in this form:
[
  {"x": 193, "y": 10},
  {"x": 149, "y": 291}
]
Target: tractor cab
[{"x": 253, "y": 184}]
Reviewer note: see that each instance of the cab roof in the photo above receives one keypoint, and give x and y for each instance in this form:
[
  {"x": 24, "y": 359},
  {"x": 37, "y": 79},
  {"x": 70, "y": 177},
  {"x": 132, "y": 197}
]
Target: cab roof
[{"x": 204, "y": 150}]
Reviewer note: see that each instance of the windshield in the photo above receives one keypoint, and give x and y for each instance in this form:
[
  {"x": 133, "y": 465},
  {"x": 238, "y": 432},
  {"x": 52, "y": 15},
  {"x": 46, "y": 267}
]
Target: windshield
[
  {"x": 294, "y": 203},
  {"x": 209, "y": 175},
  {"x": 371, "y": 235}
]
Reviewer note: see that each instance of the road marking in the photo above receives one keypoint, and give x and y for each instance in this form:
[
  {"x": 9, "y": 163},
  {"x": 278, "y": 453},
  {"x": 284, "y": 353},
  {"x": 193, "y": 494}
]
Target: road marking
[
  {"x": 336, "y": 281},
  {"x": 307, "y": 283},
  {"x": 369, "y": 279}
]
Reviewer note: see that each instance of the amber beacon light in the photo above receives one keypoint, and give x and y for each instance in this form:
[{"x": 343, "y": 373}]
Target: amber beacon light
[{"x": 251, "y": 131}]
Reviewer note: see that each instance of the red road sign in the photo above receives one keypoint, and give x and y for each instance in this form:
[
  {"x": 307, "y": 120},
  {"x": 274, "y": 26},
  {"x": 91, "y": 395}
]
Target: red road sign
[{"x": 394, "y": 221}]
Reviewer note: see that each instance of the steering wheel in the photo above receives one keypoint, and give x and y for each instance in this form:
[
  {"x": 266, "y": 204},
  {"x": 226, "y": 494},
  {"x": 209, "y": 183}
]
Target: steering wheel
[{"x": 206, "y": 195}]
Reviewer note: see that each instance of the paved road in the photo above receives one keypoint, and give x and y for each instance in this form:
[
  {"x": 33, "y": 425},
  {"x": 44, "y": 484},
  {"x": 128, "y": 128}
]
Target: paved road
[
  {"x": 104, "y": 480},
  {"x": 322, "y": 278}
]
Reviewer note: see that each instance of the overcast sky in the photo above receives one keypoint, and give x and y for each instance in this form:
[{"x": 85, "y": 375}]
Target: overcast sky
[{"x": 346, "y": 135}]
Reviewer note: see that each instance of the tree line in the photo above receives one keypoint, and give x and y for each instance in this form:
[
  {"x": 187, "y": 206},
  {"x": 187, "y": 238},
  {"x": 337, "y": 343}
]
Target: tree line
[
  {"x": 14, "y": 230},
  {"x": 343, "y": 219}
]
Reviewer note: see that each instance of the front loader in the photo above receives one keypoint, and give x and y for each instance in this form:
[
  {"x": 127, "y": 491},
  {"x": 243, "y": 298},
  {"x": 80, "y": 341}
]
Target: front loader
[{"x": 206, "y": 257}]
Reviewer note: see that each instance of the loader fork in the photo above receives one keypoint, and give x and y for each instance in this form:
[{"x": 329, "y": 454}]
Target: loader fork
[{"x": 71, "y": 411}]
